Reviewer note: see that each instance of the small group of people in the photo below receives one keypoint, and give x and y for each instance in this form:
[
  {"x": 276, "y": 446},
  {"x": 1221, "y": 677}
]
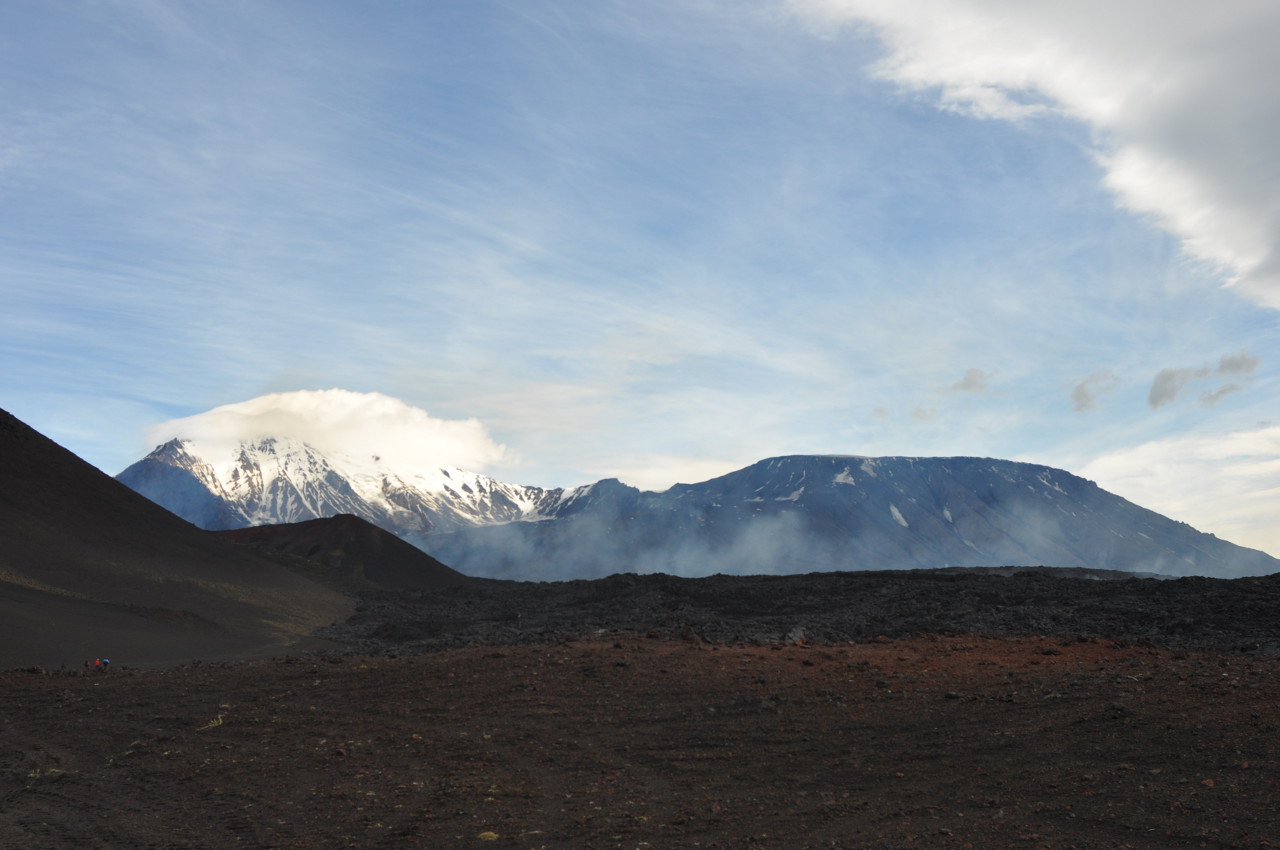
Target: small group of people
[{"x": 97, "y": 665}]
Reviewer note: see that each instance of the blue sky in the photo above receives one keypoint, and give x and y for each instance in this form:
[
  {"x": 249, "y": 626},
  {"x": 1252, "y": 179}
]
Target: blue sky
[{"x": 661, "y": 241}]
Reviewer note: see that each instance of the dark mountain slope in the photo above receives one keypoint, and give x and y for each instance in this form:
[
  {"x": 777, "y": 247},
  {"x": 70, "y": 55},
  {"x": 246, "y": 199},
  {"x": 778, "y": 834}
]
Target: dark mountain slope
[
  {"x": 88, "y": 567},
  {"x": 352, "y": 553}
]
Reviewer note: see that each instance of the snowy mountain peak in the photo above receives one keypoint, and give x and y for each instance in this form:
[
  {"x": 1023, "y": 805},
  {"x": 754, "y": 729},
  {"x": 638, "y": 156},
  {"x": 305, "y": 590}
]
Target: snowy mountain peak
[{"x": 281, "y": 479}]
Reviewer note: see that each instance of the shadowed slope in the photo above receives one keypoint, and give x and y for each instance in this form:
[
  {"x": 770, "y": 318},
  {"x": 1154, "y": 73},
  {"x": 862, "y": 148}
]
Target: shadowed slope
[
  {"x": 89, "y": 567},
  {"x": 355, "y": 554}
]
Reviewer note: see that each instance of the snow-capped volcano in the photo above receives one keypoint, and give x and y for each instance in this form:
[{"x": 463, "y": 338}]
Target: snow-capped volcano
[{"x": 280, "y": 479}]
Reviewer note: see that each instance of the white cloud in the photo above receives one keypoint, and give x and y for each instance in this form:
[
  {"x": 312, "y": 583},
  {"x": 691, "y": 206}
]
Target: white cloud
[
  {"x": 340, "y": 421},
  {"x": 1180, "y": 97},
  {"x": 1228, "y": 484}
]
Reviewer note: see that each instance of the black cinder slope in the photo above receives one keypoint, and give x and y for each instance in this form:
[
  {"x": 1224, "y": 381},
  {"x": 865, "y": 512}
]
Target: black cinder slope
[
  {"x": 89, "y": 567},
  {"x": 352, "y": 553}
]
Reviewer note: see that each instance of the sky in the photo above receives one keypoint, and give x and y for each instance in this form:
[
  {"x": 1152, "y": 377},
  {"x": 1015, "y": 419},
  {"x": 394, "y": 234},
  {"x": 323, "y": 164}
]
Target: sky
[{"x": 562, "y": 241}]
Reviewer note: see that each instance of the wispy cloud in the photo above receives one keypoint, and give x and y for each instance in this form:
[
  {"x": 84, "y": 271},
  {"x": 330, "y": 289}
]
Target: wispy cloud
[
  {"x": 1169, "y": 383},
  {"x": 974, "y": 381},
  {"x": 1085, "y": 395},
  {"x": 1237, "y": 364},
  {"x": 1184, "y": 121},
  {"x": 1209, "y": 398}
]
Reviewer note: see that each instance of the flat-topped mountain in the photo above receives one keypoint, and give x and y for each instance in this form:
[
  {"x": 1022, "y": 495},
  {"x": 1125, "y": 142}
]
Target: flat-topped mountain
[{"x": 804, "y": 513}]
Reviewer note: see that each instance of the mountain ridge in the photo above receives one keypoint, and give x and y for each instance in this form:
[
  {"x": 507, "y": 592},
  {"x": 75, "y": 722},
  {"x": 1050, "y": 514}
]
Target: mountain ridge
[
  {"x": 792, "y": 513},
  {"x": 274, "y": 480}
]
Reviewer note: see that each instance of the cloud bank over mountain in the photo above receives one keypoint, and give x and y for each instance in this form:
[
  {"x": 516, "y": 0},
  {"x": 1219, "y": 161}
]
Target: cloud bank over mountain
[{"x": 342, "y": 422}]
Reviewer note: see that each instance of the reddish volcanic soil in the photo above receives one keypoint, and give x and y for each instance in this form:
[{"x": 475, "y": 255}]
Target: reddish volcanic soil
[{"x": 627, "y": 741}]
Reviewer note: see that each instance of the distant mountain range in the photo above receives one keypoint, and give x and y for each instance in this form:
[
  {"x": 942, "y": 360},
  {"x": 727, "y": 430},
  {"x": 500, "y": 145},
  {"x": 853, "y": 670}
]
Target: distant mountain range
[
  {"x": 782, "y": 515},
  {"x": 89, "y": 568}
]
